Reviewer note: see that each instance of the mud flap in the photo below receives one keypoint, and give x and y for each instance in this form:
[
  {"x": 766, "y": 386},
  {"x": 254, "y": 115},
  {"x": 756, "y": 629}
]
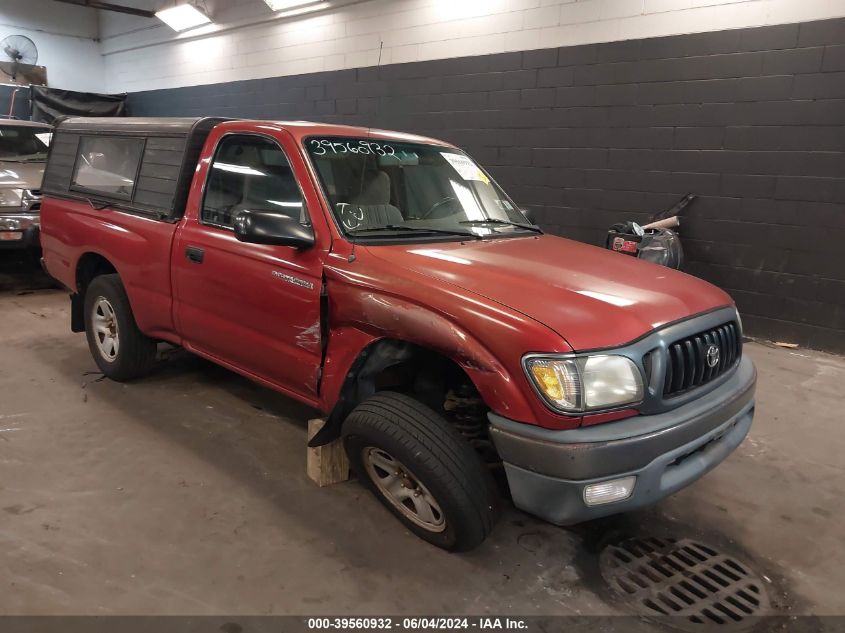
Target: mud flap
[{"x": 77, "y": 313}]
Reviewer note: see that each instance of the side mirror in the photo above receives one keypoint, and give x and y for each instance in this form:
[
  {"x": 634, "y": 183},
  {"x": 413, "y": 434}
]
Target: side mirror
[
  {"x": 528, "y": 213},
  {"x": 267, "y": 227}
]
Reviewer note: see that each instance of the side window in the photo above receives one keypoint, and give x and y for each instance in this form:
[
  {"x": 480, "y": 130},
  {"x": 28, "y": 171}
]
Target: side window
[
  {"x": 108, "y": 165},
  {"x": 250, "y": 173}
]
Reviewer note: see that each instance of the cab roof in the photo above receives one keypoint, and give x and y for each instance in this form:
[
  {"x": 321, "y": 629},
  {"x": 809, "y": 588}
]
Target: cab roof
[{"x": 304, "y": 129}]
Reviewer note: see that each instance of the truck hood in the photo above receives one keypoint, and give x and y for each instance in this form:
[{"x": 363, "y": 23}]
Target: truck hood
[
  {"x": 21, "y": 175},
  {"x": 592, "y": 297}
]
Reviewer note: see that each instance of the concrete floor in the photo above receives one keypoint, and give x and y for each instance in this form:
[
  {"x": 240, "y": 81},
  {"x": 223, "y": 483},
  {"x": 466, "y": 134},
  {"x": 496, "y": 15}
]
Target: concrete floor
[{"x": 185, "y": 493}]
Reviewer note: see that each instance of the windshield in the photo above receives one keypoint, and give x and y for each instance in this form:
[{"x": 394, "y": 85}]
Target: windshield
[
  {"x": 20, "y": 143},
  {"x": 389, "y": 188}
]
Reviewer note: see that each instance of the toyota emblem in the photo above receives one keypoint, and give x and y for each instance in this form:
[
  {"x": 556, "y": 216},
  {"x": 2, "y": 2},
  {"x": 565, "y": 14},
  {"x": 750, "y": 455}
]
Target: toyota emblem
[{"x": 712, "y": 356}]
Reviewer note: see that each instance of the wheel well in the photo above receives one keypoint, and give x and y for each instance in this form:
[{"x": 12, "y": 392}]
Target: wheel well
[
  {"x": 428, "y": 376},
  {"x": 90, "y": 266},
  {"x": 425, "y": 374}
]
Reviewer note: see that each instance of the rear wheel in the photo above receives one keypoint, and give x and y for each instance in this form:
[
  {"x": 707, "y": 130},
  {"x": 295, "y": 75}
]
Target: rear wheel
[
  {"x": 119, "y": 348},
  {"x": 422, "y": 470}
]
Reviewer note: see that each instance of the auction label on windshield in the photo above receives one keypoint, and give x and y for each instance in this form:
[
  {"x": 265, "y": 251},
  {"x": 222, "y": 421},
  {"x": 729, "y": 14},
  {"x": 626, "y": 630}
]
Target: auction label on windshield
[
  {"x": 467, "y": 169},
  {"x": 417, "y": 623}
]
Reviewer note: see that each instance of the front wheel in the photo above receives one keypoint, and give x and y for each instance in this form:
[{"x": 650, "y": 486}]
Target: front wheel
[
  {"x": 119, "y": 348},
  {"x": 422, "y": 470}
]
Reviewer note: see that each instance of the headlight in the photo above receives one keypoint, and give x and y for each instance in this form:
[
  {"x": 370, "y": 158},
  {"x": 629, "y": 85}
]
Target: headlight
[
  {"x": 11, "y": 197},
  {"x": 586, "y": 383}
]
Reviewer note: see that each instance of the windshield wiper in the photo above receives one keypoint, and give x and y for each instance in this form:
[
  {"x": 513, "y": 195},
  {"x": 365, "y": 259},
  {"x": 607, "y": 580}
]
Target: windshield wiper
[
  {"x": 527, "y": 227},
  {"x": 402, "y": 227}
]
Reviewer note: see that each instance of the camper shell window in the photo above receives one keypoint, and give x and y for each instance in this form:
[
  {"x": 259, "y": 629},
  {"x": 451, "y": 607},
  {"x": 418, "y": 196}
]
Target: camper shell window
[{"x": 108, "y": 165}]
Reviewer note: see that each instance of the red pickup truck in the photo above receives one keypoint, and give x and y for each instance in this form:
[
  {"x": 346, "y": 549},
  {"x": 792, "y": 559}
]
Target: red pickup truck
[{"x": 387, "y": 280}]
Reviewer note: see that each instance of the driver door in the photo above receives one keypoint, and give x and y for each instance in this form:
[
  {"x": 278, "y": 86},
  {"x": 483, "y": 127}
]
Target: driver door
[{"x": 253, "y": 307}]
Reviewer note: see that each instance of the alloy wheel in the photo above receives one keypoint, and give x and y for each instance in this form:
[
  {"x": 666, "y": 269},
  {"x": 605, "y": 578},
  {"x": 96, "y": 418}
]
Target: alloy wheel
[
  {"x": 106, "y": 334},
  {"x": 403, "y": 490}
]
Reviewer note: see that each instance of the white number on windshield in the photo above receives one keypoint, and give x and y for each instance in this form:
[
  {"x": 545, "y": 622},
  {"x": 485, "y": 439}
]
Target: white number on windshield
[{"x": 321, "y": 147}]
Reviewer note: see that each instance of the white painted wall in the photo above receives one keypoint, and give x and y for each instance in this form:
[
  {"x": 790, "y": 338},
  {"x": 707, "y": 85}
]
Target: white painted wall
[
  {"x": 348, "y": 33},
  {"x": 248, "y": 41},
  {"x": 66, "y": 39}
]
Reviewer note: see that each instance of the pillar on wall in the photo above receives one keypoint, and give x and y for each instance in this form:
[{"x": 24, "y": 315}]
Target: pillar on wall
[{"x": 19, "y": 95}]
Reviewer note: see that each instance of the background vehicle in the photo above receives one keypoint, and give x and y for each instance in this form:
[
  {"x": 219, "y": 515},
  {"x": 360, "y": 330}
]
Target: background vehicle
[
  {"x": 23, "y": 155},
  {"x": 387, "y": 280}
]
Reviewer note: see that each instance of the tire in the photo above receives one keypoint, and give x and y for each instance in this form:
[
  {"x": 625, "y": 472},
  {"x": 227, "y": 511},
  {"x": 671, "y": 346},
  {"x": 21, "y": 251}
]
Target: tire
[
  {"x": 435, "y": 462},
  {"x": 107, "y": 307},
  {"x": 33, "y": 256}
]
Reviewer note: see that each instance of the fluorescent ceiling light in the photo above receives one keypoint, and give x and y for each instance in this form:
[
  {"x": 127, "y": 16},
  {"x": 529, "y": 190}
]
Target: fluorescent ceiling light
[
  {"x": 183, "y": 17},
  {"x": 281, "y": 5}
]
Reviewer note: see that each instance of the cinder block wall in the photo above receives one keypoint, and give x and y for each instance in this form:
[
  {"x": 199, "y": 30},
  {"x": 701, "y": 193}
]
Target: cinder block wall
[{"x": 751, "y": 120}]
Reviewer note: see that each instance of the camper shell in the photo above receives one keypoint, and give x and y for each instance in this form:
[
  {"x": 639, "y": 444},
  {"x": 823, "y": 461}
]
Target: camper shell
[{"x": 163, "y": 152}]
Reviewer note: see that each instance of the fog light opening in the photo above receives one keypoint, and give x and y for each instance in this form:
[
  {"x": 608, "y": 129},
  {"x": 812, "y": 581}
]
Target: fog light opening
[{"x": 609, "y": 491}]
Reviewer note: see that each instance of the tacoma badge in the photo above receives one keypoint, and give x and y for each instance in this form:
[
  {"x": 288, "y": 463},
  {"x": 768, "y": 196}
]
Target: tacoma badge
[{"x": 304, "y": 283}]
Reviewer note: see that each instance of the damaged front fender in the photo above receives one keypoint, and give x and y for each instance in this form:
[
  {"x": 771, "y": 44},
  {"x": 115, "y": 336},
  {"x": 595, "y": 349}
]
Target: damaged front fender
[{"x": 368, "y": 329}]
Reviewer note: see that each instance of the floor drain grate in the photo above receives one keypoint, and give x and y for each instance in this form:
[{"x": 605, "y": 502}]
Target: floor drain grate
[{"x": 697, "y": 584}]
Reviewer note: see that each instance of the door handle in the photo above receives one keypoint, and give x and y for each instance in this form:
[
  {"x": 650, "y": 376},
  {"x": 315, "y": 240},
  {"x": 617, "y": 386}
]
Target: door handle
[{"x": 194, "y": 254}]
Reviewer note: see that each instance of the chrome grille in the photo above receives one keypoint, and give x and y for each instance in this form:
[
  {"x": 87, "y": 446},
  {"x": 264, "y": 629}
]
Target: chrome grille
[
  {"x": 690, "y": 361},
  {"x": 31, "y": 200}
]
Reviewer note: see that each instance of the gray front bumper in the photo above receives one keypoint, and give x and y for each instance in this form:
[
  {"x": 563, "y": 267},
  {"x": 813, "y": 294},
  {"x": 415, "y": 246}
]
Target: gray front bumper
[{"x": 548, "y": 470}]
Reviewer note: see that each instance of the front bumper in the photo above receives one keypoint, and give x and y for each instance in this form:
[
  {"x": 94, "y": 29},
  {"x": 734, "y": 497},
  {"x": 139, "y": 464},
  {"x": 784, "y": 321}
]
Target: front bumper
[
  {"x": 19, "y": 230},
  {"x": 547, "y": 470}
]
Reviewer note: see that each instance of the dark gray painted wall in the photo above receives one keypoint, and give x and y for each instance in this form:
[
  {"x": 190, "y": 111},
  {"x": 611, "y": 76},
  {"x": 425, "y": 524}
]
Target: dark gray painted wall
[{"x": 751, "y": 120}]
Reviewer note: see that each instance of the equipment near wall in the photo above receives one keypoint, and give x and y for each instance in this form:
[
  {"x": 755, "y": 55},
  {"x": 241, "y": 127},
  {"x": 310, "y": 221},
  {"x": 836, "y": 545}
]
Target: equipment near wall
[
  {"x": 18, "y": 55},
  {"x": 655, "y": 242}
]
